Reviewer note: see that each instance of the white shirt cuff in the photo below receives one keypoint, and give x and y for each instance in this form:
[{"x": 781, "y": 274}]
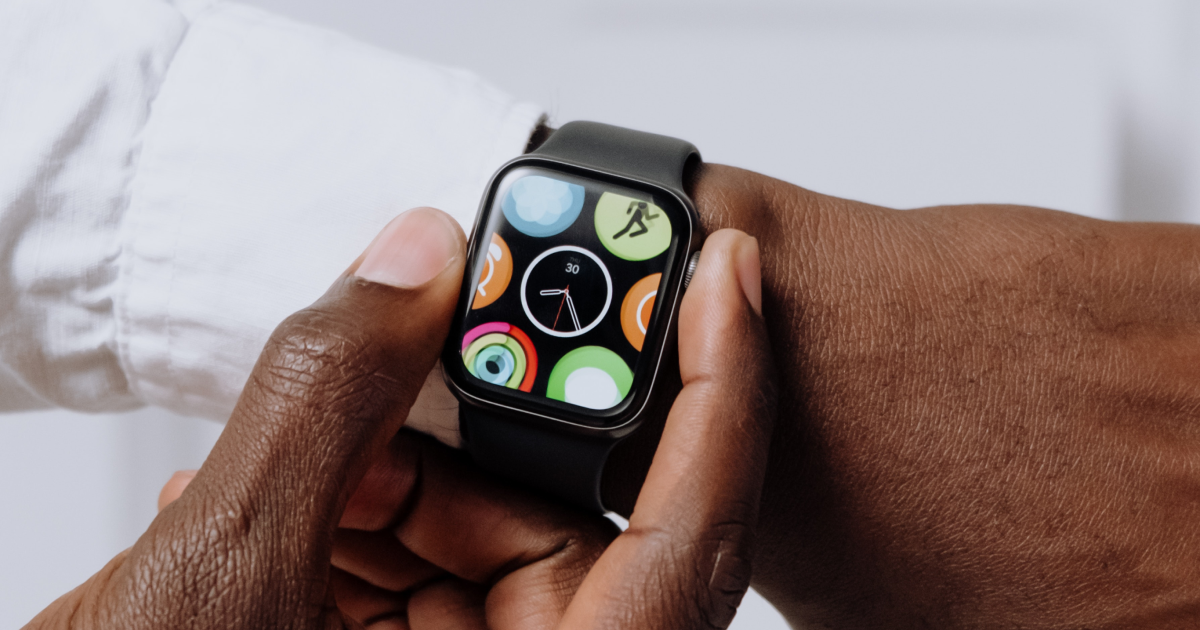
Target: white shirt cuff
[{"x": 273, "y": 154}]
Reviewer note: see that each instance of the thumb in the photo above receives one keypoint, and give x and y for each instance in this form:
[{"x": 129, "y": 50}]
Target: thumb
[
  {"x": 684, "y": 561},
  {"x": 334, "y": 383}
]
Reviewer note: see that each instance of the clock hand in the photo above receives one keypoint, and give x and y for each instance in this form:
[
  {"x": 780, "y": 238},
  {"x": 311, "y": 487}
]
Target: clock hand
[
  {"x": 566, "y": 295},
  {"x": 574, "y": 316},
  {"x": 552, "y": 292}
]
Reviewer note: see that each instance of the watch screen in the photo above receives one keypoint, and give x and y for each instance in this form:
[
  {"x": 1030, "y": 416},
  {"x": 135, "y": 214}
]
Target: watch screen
[{"x": 567, "y": 271}]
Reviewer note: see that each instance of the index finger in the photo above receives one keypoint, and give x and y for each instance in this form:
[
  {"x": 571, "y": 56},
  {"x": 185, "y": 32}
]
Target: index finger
[{"x": 684, "y": 561}]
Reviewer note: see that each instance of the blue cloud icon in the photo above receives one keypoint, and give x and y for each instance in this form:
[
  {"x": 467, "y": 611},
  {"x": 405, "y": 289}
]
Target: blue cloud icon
[{"x": 542, "y": 206}]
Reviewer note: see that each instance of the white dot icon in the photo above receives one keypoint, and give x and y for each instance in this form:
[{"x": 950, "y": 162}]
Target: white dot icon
[{"x": 592, "y": 388}]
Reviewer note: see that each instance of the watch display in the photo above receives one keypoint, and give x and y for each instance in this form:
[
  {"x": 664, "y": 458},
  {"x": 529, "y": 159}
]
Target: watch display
[{"x": 567, "y": 270}]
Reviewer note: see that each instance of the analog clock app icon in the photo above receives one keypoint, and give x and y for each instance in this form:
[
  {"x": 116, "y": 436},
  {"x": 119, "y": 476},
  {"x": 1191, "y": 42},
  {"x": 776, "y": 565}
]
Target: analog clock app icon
[
  {"x": 566, "y": 291},
  {"x": 592, "y": 376}
]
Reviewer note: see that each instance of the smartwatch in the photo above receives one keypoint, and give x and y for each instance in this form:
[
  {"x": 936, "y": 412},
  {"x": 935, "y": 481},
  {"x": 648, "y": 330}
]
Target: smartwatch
[{"x": 576, "y": 265}]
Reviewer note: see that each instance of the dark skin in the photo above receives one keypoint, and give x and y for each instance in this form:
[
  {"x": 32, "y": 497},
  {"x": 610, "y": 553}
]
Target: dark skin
[
  {"x": 988, "y": 414},
  {"x": 988, "y": 417},
  {"x": 426, "y": 541}
]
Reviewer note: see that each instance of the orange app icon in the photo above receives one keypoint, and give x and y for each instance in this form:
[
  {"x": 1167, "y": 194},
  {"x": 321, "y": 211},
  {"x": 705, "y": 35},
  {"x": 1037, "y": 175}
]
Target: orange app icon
[
  {"x": 493, "y": 280},
  {"x": 637, "y": 308}
]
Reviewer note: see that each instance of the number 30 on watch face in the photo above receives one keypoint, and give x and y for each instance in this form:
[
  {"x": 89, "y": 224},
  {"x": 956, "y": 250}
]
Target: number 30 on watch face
[{"x": 575, "y": 245}]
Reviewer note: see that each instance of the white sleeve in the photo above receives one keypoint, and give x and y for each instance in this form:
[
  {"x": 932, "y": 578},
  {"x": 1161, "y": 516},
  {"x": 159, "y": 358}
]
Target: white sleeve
[{"x": 175, "y": 179}]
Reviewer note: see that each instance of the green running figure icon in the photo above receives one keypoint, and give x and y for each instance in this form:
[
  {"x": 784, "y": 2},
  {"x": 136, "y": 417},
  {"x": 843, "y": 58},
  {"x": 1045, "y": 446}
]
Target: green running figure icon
[
  {"x": 632, "y": 228},
  {"x": 640, "y": 213}
]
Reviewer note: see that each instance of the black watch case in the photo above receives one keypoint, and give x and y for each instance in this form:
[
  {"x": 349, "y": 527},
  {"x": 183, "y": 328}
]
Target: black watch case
[{"x": 553, "y": 415}]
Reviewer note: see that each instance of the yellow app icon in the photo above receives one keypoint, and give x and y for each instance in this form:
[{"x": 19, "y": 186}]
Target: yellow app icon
[{"x": 632, "y": 229}]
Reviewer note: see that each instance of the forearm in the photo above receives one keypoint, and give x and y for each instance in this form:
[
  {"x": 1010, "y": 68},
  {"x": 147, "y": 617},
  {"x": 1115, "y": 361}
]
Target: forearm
[{"x": 979, "y": 405}]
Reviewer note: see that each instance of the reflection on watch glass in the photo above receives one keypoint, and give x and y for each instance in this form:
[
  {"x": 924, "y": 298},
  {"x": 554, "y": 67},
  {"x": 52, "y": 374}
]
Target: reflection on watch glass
[{"x": 565, "y": 286}]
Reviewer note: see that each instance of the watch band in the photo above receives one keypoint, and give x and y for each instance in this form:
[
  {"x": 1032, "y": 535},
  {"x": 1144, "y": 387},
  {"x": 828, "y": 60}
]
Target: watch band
[
  {"x": 661, "y": 160},
  {"x": 566, "y": 466}
]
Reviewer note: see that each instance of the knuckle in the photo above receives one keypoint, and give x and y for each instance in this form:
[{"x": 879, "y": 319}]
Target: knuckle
[
  {"x": 318, "y": 352},
  {"x": 581, "y": 551},
  {"x": 705, "y": 577},
  {"x": 728, "y": 554},
  {"x": 185, "y": 568}
]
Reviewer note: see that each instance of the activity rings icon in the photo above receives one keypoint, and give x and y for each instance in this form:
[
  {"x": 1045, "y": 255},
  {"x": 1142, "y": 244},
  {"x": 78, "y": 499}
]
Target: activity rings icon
[
  {"x": 500, "y": 354},
  {"x": 496, "y": 274}
]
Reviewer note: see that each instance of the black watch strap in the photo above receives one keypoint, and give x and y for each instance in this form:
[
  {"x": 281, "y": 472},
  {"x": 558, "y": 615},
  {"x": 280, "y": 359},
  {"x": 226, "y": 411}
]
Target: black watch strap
[
  {"x": 565, "y": 465},
  {"x": 661, "y": 160}
]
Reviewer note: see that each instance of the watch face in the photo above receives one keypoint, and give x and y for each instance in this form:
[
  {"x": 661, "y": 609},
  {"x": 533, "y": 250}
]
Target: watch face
[
  {"x": 550, "y": 302},
  {"x": 564, "y": 310}
]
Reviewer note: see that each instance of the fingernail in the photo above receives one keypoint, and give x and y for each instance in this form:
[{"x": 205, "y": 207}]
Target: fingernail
[
  {"x": 174, "y": 487},
  {"x": 412, "y": 250},
  {"x": 749, "y": 273}
]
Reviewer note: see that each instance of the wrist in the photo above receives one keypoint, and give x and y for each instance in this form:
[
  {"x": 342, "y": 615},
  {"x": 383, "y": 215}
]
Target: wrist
[
  {"x": 804, "y": 270},
  {"x": 782, "y": 217}
]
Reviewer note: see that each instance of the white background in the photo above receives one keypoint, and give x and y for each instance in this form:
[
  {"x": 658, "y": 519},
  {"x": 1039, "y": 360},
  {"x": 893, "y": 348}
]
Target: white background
[{"x": 1087, "y": 106}]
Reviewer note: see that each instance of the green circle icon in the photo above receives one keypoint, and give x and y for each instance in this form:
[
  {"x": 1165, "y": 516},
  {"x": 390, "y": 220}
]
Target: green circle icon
[
  {"x": 591, "y": 377},
  {"x": 630, "y": 228}
]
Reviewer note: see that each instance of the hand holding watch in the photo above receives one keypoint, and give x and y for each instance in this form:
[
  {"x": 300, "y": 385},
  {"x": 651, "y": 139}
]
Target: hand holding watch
[{"x": 954, "y": 448}]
